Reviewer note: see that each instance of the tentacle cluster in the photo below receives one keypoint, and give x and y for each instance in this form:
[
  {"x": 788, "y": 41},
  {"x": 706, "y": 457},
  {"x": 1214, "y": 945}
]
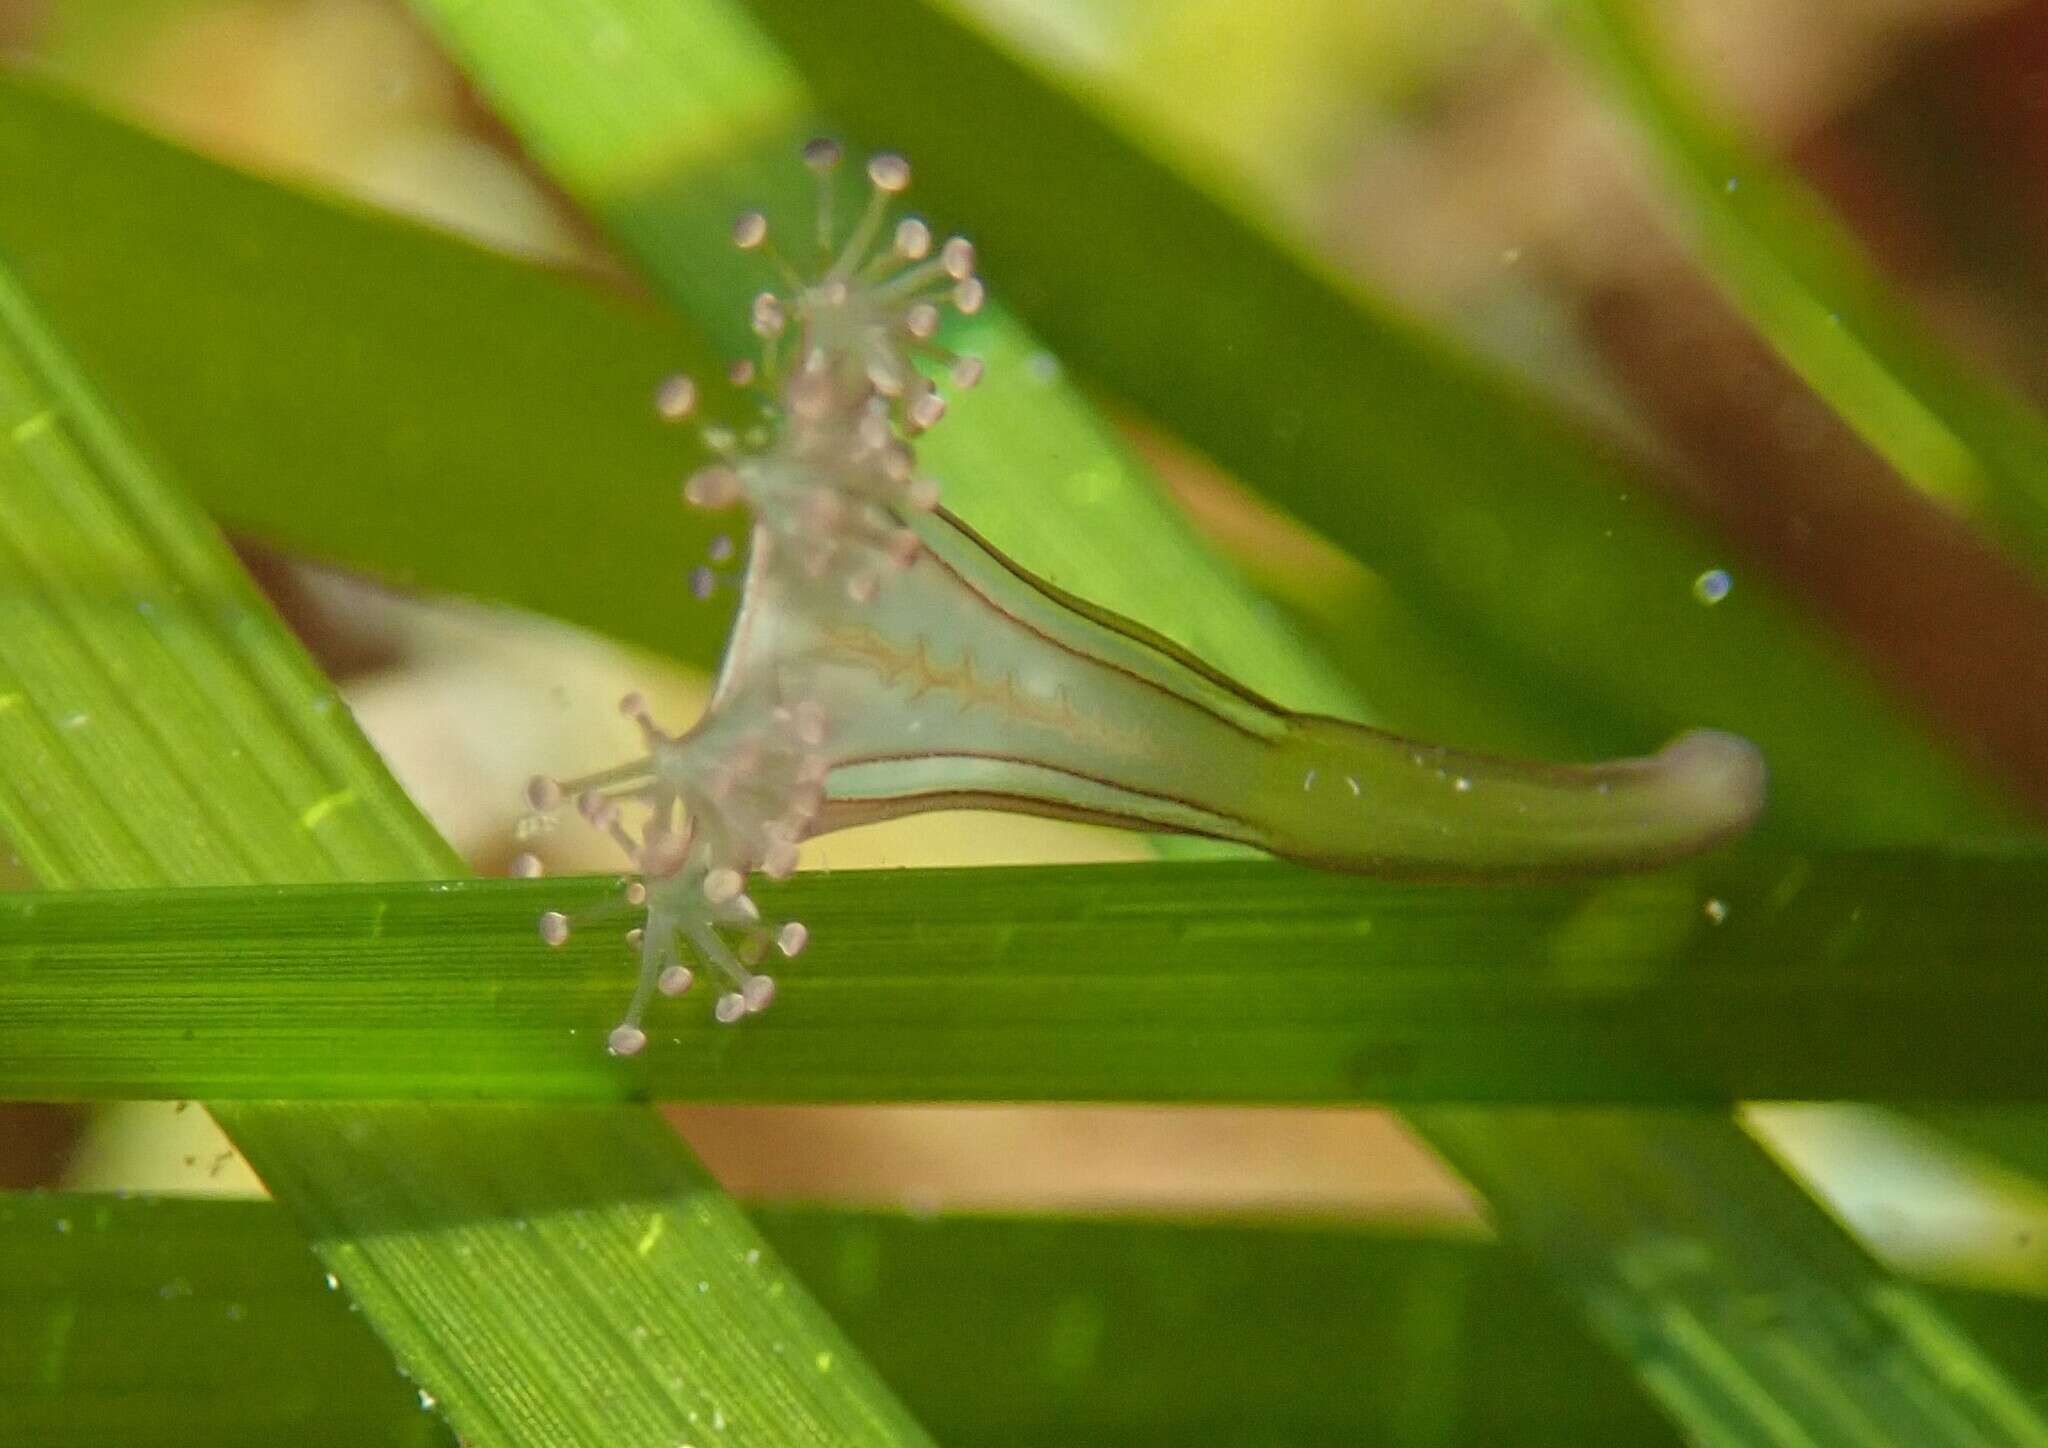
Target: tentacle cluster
[{"x": 829, "y": 472}]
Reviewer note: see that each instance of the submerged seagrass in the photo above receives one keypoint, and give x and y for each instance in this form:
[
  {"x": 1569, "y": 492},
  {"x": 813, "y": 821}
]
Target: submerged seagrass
[{"x": 886, "y": 659}]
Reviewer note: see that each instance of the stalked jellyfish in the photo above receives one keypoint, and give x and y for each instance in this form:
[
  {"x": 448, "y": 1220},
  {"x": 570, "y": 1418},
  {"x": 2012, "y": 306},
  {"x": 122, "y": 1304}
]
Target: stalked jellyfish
[{"x": 886, "y": 660}]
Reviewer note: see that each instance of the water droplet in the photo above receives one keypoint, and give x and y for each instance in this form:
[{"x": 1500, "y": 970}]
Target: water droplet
[{"x": 1712, "y": 586}]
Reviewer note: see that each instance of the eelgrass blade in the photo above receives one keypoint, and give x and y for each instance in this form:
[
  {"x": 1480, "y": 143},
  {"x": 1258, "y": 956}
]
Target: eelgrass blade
[
  {"x": 145, "y": 1321},
  {"x": 1525, "y": 542},
  {"x": 1806, "y": 284},
  {"x": 157, "y": 726},
  {"x": 1668, "y": 1233},
  {"x": 448, "y": 416},
  {"x": 1010, "y": 1332},
  {"x": 1857, "y": 977},
  {"x": 459, "y": 384}
]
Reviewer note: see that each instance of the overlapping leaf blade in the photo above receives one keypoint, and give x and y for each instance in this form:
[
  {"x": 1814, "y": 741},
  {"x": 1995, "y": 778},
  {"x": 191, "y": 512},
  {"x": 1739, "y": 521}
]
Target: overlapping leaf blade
[{"x": 159, "y": 727}]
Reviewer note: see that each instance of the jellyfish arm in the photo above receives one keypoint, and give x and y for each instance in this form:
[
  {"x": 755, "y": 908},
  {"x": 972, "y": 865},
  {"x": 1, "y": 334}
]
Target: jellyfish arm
[
  {"x": 972, "y": 684},
  {"x": 887, "y": 660}
]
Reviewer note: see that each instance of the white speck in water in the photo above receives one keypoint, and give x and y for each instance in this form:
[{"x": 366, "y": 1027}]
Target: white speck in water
[
  {"x": 428, "y": 1401},
  {"x": 1717, "y": 910},
  {"x": 77, "y": 721},
  {"x": 1461, "y": 784},
  {"x": 1348, "y": 779},
  {"x": 333, "y": 1283},
  {"x": 1730, "y": 185},
  {"x": 1308, "y": 781},
  {"x": 1042, "y": 367},
  {"x": 1712, "y": 586},
  {"x": 753, "y": 1256}
]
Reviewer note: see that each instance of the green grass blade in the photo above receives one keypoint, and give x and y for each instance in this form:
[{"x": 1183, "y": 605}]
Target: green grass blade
[
  {"x": 411, "y": 385},
  {"x": 1010, "y": 1332},
  {"x": 667, "y": 136},
  {"x": 159, "y": 727},
  {"x": 1803, "y": 281},
  {"x": 1642, "y": 1239},
  {"x": 416, "y": 382},
  {"x": 1852, "y": 977},
  {"x": 144, "y": 1321},
  {"x": 1194, "y": 1323},
  {"x": 1519, "y": 538}
]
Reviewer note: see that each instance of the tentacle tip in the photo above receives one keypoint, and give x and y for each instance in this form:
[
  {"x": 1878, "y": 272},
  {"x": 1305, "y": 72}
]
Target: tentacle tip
[
  {"x": 822, "y": 153},
  {"x": 1723, "y": 774},
  {"x": 676, "y": 397},
  {"x": 626, "y": 1040},
  {"x": 676, "y": 980}
]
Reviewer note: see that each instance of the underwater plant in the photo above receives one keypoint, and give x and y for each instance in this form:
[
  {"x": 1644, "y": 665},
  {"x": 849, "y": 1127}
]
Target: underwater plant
[{"x": 885, "y": 659}]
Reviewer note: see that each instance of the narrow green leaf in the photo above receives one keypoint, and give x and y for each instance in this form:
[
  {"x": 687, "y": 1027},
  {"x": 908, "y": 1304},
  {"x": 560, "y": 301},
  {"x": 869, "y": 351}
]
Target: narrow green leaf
[
  {"x": 458, "y": 385},
  {"x": 1521, "y": 540},
  {"x": 688, "y": 119},
  {"x": 1201, "y": 1329},
  {"x": 1010, "y": 1332},
  {"x": 447, "y": 417},
  {"x": 1744, "y": 1332},
  {"x": 1806, "y": 284},
  {"x": 159, "y": 727},
  {"x": 144, "y": 1321},
  {"x": 1846, "y": 977},
  {"x": 1803, "y": 281}
]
